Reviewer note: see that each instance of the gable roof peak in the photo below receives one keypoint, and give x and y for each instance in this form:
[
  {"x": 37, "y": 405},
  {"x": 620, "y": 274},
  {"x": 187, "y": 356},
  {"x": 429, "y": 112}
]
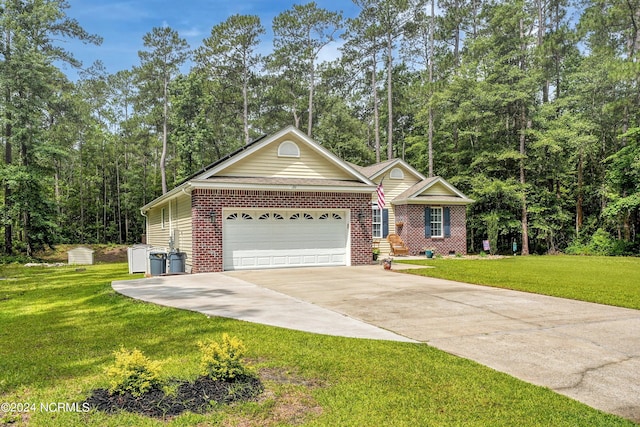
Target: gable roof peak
[
  {"x": 377, "y": 169},
  {"x": 415, "y": 193}
]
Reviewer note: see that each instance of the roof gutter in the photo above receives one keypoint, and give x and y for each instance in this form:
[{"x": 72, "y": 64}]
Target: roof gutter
[
  {"x": 181, "y": 189},
  {"x": 461, "y": 202},
  {"x": 204, "y": 184}
]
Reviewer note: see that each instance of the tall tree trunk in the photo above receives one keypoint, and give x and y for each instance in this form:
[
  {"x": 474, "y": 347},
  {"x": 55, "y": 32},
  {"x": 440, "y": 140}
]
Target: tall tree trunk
[
  {"x": 26, "y": 215},
  {"x": 542, "y": 28},
  {"x": 8, "y": 229},
  {"x": 163, "y": 157},
  {"x": 311, "y": 88},
  {"x": 525, "y": 124},
  {"x": 296, "y": 118},
  {"x": 431, "y": 47},
  {"x": 390, "y": 94},
  {"x": 456, "y": 69},
  {"x": 119, "y": 201},
  {"x": 376, "y": 113},
  {"x": 580, "y": 198},
  {"x": 245, "y": 106}
]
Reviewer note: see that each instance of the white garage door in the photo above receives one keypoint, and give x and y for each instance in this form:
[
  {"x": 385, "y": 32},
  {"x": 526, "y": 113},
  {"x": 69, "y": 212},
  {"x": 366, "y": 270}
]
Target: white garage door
[{"x": 283, "y": 238}]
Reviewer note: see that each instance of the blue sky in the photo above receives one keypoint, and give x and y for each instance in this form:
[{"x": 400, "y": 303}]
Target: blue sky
[{"x": 122, "y": 24}]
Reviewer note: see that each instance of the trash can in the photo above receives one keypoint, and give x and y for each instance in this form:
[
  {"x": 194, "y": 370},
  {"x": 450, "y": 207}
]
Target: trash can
[
  {"x": 158, "y": 263},
  {"x": 177, "y": 262}
]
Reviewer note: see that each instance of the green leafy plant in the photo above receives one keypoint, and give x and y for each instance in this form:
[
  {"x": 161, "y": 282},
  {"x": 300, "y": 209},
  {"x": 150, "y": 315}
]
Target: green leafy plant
[
  {"x": 223, "y": 360},
  {"x": 133, "y": 372}
]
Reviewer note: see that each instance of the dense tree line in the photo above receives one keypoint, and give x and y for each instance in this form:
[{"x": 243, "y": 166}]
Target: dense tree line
[{"x": 531, "y": 107}]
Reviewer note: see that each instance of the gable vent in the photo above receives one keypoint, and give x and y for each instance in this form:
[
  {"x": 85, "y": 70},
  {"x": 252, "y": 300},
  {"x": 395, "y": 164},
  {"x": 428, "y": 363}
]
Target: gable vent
[
  {"x": 288, "y": 149},
  {"x": 396, "y": 173}
]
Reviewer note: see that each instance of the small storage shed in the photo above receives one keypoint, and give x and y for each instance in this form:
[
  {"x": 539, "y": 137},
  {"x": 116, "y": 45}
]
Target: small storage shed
[{"x": 81, "y": 255}]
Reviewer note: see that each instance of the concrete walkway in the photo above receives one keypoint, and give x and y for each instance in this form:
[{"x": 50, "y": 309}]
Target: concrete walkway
[
  {"x": 217, "y": 294},
  {"x": 586, "y": 351}
]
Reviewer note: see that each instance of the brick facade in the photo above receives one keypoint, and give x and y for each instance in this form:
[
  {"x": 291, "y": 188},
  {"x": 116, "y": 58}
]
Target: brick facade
[
  {"x": 207, "y": 236},
  {"x": 412, "y": 230}
]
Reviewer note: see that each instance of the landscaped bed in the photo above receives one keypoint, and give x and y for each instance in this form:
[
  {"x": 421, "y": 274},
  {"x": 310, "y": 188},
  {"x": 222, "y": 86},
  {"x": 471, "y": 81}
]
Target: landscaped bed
[{"x": 60, "y": 328}]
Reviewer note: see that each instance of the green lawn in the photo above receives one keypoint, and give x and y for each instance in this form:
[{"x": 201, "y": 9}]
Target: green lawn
[
  {"x": 605, "y": 280},
  {"x": 60, "y": 326}
]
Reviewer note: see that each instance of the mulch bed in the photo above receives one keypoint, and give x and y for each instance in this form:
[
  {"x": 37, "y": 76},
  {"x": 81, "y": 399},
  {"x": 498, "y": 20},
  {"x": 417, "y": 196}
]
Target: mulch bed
[{"x": 197, "y": 396}]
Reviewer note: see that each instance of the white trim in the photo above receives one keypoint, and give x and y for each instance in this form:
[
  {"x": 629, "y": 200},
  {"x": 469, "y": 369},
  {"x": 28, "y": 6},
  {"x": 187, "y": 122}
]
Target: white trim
[
  {"x": 376, "y": 208},
  {"x": 443, "y": 182},
  {"x": 198, "y": 181},
  {"x": 183, "y": 188},
  {"x": 270, "y": 139},
  {"x": 207, "y": 184},
  {"x": 431, "y": 211},
  {"x": 399, "y": 162},
  {"x": 189, "y": 186},
  {"x": 434, "y": 201}
]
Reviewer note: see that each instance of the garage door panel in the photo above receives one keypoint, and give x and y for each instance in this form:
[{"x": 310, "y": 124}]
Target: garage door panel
[{"x": 270, "y": 242}]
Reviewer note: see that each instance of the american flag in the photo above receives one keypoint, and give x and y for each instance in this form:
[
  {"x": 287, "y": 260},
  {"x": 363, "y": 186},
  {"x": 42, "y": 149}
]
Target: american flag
[{"x": 380, "y": 191}]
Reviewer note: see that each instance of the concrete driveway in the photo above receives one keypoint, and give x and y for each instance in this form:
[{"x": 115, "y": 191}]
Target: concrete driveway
[{"x": 586, "y": 351}]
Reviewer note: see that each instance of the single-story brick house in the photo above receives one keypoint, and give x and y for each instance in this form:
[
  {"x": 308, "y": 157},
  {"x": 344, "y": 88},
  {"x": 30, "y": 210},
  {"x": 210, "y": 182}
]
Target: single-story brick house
[{"x": 285, "y": 201}]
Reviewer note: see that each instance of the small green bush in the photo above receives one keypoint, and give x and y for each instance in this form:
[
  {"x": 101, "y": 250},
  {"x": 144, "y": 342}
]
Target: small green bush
[
  {"x": 133, "y": 372},
  {"x": 223, "y": 361},
  {"x": 601, "y": 243},
  {"x": 577, "y": 248}
]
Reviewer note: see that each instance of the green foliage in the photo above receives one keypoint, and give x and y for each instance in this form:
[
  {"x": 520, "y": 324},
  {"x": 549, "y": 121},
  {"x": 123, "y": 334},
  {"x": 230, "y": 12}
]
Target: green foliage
[
  {"x": 133, "y": 373},
  {"x": 525, "y": 103},
  {"x": 601, "y": 243},
  {"x": 223, "y": 360}
]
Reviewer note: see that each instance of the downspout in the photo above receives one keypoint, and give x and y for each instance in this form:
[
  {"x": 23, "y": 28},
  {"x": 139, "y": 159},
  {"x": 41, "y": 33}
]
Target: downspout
[{"x": 146, "y": 225}]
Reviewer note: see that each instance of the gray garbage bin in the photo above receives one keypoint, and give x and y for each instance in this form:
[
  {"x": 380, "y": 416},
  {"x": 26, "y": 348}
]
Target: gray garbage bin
[
  {"x": 177, "y": 262},
  {"x": 158, "y": 263}
]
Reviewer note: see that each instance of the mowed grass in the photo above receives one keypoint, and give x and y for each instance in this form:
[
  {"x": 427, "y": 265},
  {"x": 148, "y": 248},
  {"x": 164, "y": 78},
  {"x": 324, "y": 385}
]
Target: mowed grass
[
  {"x": 604, "y": 280},
  {"x": 59, "y": 328}
]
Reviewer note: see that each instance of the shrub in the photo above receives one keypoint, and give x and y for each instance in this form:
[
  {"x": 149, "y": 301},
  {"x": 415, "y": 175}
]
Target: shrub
[
  {"x": 133, "y": 372},
  {"x": 223, "y": 361},
  {"x": 576, "y": 247},
  {"x": 601, "y": 243}
]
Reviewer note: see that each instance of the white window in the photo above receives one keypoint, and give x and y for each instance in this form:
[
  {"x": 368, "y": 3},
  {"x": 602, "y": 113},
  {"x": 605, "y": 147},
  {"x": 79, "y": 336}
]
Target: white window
[
  {"x": 288, "y": 149},
  {"x": 396, "y": 173},
  {"x": 436, "y": 222},
  {"x": 376, "y": 222}
]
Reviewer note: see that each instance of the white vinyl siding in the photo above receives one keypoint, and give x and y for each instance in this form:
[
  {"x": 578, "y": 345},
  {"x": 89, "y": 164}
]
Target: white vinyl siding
[
  {"x": 267, "y": 163},
  {"x": 392, "y": 189},
  {"x": 171, "y": 220}
]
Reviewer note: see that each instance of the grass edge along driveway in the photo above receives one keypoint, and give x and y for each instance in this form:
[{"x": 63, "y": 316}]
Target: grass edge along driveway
[
  {"x": 60, "y": 327},
  {"x": 604, "y": 280}
]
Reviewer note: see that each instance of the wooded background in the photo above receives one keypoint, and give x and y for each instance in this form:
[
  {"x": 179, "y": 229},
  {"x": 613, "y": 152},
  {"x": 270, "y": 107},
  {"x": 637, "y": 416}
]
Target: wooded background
[{"x": 530, "y": 107}]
